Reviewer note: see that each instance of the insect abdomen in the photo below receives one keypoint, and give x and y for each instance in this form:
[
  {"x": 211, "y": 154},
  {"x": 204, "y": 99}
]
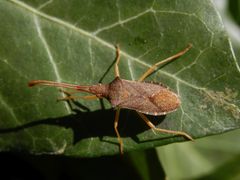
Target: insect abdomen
[{"x": 165, "y": 100}]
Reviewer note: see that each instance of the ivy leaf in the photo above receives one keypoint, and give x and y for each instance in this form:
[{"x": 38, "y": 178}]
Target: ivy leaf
[{"x": 73, "y": 41}]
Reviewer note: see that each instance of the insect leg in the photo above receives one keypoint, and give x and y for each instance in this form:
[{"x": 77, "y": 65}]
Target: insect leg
[
  {"x": 153, "y": 68},
  {"x": 68, "y": 92},
  {"x": 70, "y": 97},
  {"x": 116, "y": 130},
  {"x": 148, "y": 122},
  {"x": 90, "y": 97},
  {"x": 117, "y": 61}
]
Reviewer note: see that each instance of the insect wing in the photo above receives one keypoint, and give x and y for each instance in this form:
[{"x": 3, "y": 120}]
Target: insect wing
[{"x": 148, "y": 98}]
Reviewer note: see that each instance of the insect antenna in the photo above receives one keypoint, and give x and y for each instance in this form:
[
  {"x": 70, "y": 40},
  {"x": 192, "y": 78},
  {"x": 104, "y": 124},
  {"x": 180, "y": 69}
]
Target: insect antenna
[{"x": 58, "y": 84}]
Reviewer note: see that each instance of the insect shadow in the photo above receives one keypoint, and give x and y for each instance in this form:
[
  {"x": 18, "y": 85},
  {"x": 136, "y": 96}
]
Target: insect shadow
[{"x": 85, "y": 123}]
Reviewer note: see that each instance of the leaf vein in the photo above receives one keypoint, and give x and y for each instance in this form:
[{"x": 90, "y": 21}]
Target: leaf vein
[
  {"x": 9, "y": 109},
  {"x": 13, "y": 68},
  {"x": 91, "y": 56},
  {"x": 45, "y": 4},
  {"x": 130, "y": 69},
  {"x": 52, "y": 62}
]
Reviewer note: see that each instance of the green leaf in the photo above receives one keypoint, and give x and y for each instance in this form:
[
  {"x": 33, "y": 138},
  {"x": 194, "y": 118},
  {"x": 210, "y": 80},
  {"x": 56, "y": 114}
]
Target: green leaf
[{"x": 73, "y": 41}]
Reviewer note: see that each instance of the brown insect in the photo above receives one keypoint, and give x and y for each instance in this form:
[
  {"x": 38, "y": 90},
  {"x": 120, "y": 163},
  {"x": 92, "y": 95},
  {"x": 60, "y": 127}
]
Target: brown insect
[{"x": 143, "y": 97}]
